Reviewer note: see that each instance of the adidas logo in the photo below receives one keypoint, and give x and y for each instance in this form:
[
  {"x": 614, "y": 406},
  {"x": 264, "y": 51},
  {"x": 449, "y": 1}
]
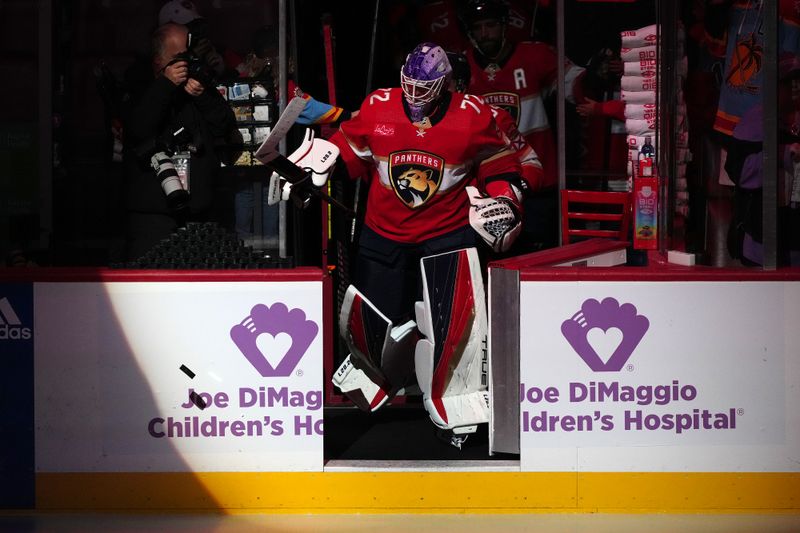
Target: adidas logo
[{"x": 10, "y": 324}]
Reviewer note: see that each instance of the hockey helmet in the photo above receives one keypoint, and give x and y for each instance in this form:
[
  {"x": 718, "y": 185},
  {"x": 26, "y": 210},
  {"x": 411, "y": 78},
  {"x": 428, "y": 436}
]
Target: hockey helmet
[
  {"x": 425, "y": 74},
  {"x": 475, "y": 10}
]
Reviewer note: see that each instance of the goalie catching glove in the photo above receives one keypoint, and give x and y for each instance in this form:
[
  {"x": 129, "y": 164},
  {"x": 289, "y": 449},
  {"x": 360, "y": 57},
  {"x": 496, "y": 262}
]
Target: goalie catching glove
[
  {"x": 315, "y": 156},
  {"x": 495, "y": 219}
]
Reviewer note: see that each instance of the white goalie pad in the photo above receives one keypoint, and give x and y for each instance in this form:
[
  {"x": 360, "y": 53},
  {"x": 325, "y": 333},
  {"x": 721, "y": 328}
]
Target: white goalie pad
[
  {"x": 316, "y": 156},
  {"x": 452, "y": 360},
  {"x": 381, "y": 355},
  {"x": 493, "y": 219}
]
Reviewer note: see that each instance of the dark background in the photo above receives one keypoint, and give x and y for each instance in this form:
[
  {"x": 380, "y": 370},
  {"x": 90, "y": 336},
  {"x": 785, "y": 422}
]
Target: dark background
[{"x": 84, "y": 184}]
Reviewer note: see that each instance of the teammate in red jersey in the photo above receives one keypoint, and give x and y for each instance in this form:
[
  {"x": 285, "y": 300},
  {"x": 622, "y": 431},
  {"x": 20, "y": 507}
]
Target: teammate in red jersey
[
  {"x": 418, "y": 147},
  {"x": 518, "y": 77},
  {"x": 527, "y": 156},
  {"x": 438, "y": 22}
]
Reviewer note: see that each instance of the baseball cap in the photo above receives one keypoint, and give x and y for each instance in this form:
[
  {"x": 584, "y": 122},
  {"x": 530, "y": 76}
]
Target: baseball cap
[{"x": 177, "y": 11}]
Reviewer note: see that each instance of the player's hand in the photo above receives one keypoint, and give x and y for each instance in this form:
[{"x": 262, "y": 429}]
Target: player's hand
[
  {"x": 177, "y": 72},
  {"x": 494, "y": 219},
  {"x": 587, "y": 109},
  {"x": 193, "y": 87}
]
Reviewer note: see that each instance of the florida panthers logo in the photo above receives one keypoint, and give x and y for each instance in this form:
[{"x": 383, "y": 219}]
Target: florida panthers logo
[
  {"x": 415, "y": 176},
  {"x": 745, "y": 65},
  {"x": 507, "y": 101}
]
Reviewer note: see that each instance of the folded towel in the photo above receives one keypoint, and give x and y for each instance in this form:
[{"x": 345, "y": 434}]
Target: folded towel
[
  {"x": 641, "y": 111},
  {"x": 682, "y": 139},
  {"x": 640, "y": 68},
  {"x": 641, "y": 37},
  {"x": 638, "y": 53},
  {"x": 639, "y": 83},
  {"x": 680, "y": 172},
  {"x": 639, "y": 127},
  {"x": 638, "y": 97}
]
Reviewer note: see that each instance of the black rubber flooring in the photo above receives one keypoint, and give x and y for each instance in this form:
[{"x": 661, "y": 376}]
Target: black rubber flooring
[{"x": 402, "y": 432}]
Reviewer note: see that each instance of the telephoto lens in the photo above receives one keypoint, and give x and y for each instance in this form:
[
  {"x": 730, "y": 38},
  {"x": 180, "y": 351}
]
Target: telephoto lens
[{"x": 177, "y": 196}]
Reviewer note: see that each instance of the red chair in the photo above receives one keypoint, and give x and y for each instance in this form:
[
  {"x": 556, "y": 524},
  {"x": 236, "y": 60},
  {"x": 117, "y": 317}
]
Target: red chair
[{"x": 595, "y": 214}]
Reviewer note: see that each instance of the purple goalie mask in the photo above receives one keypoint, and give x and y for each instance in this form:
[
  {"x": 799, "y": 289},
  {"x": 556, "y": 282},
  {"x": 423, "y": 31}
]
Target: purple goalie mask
[{"x": 423, "y": 77}]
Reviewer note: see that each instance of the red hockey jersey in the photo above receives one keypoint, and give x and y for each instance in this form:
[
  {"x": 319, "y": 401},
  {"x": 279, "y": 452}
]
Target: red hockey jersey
[
  {"x": 520, "y": 86},
  {"x": 417, "y": 175}
]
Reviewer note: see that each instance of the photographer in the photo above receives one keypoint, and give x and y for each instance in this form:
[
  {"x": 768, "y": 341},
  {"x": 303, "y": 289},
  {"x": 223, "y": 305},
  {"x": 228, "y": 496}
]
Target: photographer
[{"x": 175, "y": 134}]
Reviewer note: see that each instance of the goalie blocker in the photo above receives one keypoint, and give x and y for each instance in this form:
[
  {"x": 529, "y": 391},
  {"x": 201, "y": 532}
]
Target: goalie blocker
[
  {"x": 315, "y": 157},
  {"x": 447, "y": 346}
]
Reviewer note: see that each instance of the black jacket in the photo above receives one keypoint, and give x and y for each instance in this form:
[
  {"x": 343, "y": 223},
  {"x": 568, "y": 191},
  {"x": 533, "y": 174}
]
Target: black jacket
[{"x": 161, "y": 109}]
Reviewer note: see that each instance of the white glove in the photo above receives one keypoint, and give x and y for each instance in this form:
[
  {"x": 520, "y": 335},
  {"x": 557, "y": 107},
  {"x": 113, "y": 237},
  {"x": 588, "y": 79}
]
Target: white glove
[
  {"x": 316, "y": 155},
  {"x": 494, "y": 219}
]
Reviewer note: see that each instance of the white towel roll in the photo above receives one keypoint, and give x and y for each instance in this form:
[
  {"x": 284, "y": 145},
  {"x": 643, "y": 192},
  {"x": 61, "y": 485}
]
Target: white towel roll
[
  {"x": 640, "y": 111},
  {"x": 638, "y": 53},
  {"x": 640, "y": 68},
  {"x": 641, "y": 37},
  {"x": 682, "y": 139},
  {"x": 639, "y": 127},
  {"x": 638, "y": 97},
  {"x": 638, "y": 83}
]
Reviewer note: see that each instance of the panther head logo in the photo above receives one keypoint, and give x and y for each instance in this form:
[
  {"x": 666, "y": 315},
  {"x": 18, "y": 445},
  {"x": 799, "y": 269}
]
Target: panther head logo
[
  {"x": 415, "y": 176},
  {"x": 506, "y": 100},
  {"x": 415, "y": 186}
]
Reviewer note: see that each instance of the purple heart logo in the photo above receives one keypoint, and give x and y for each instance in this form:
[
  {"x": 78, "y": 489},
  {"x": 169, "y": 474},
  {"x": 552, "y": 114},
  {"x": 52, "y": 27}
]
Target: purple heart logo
[
  {"x": 277, "y": 322},
  {"x": 606, "y": 327}
]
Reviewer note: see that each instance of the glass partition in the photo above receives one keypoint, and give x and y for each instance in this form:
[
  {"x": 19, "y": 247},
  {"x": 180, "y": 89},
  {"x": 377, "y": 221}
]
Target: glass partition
[{"x": 723, "y": 117}]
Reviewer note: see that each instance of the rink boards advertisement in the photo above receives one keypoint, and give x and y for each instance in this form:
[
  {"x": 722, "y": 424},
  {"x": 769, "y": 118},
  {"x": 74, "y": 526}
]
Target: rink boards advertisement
[
  {"x": 659, "y": 377},
  {"x": 16, "y": 395},
  {"x": 178, "y": 377}
]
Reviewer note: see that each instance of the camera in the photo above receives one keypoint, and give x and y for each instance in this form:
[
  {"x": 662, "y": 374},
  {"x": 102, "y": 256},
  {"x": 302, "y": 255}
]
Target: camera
[
  {"x": 158, "y": 153},
  {"x": 177, "y": 196},
  {"x": 197, "y": 48},
  {"x": 197, "y": 68}
]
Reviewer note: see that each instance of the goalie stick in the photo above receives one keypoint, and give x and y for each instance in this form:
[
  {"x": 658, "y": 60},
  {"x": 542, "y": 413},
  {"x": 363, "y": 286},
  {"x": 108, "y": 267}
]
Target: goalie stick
[{"x": 269, "y": 148}]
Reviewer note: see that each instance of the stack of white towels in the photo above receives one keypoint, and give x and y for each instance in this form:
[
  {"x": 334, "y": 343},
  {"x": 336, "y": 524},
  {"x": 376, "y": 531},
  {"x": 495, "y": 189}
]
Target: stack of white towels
[{"x": 640, "y": 84}]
